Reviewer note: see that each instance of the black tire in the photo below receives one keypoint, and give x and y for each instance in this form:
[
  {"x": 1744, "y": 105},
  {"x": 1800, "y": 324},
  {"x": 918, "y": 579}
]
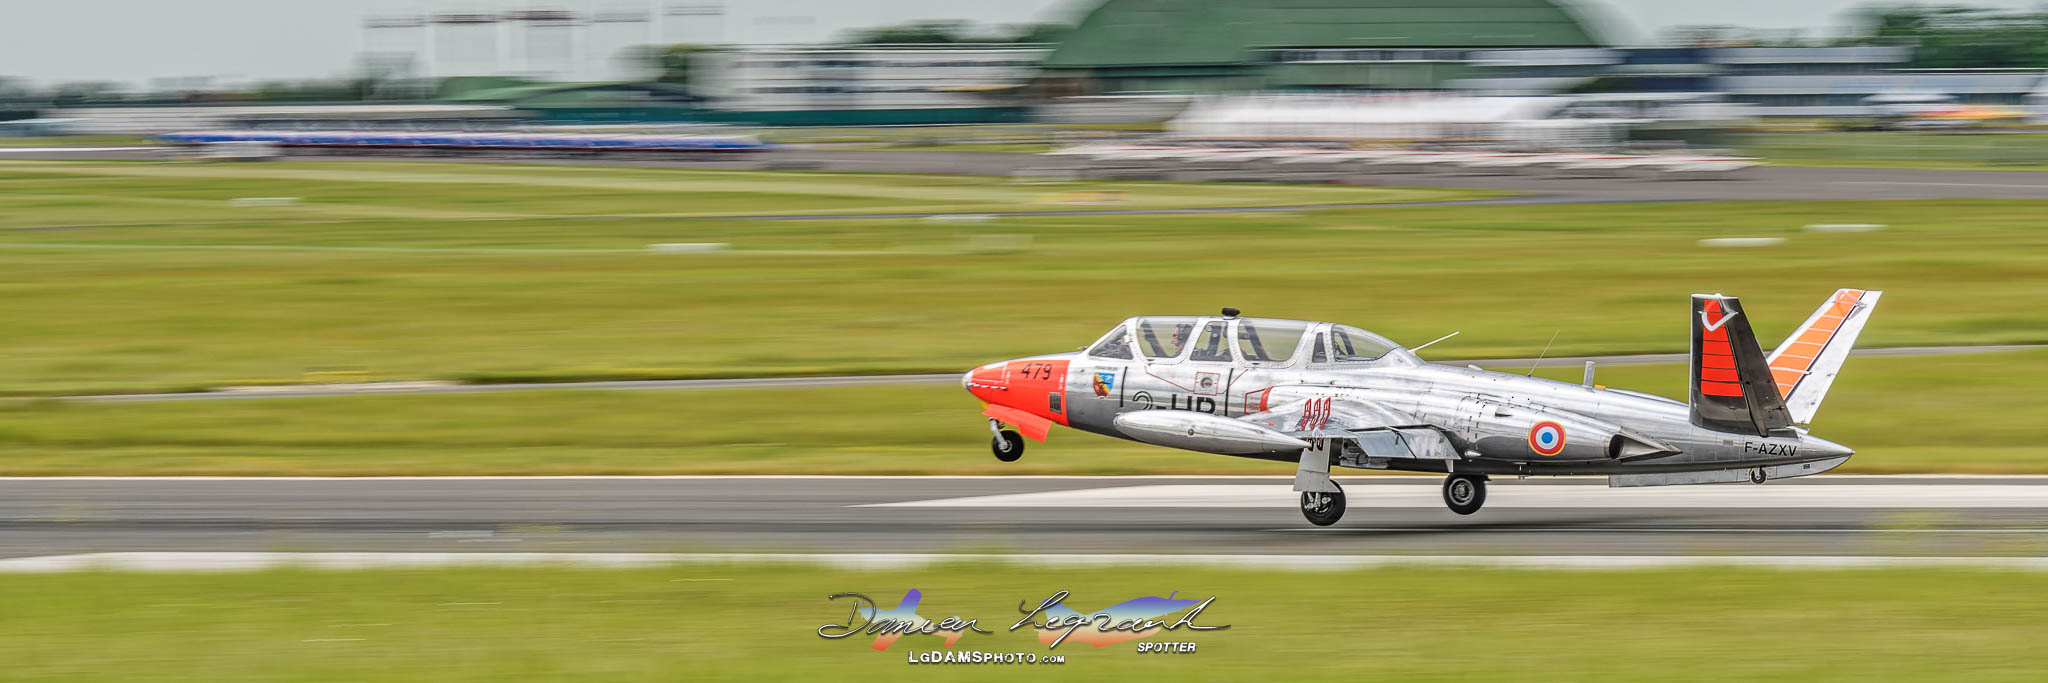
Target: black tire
[
  {"x": 1757, "y": 475},
  {"x": 1323, "y": 509},
  {"x": 1008, "y": 447},
  {"x": 1465, "y": 493}
]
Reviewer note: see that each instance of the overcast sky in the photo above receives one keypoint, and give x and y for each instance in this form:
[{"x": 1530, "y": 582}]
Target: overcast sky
[{"x": 134, "y": 41}]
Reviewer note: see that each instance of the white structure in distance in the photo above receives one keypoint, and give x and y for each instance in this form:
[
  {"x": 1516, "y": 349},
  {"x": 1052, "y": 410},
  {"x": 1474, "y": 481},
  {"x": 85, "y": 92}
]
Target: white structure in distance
[{"x": 797, "y": 78}]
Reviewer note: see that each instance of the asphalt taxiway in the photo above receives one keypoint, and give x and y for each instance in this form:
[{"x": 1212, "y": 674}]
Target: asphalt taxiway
[
  {"x": 1839, "y": 516},
  {"x": 1754, "y": 184}
]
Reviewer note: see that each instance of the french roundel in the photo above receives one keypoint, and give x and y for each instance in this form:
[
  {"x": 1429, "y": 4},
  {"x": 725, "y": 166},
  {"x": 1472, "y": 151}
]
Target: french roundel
[{"x": 1546, "y": 438}]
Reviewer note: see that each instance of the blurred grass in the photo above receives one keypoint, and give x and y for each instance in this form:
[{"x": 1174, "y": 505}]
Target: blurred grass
[
  {"x": 1963, "y": 413},
  {"x": 1956, "y": 150},
  {"x": 993, "y": 147},
  {"x": 48, "y": 193},
  {"x": 759, "y": 622},
  {"x": 77, "y": 141},
  {"x": 542, "y": 274},
  {"x": 977, "y": 133}
]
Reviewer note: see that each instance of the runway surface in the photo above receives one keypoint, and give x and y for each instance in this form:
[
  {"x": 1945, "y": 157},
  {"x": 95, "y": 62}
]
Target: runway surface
[
  {"x": 1835, "y": 516},
  {"x": 305, "y": 391},
  {"x": 1761, "y": 183}
]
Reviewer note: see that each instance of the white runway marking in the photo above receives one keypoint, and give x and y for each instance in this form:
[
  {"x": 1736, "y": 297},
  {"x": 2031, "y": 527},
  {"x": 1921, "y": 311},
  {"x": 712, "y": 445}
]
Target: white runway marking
[
  {"x": 1390, "y": 479},
  {"x": 314, "y": 247},
  {"x": 38, "y": 150},
  {"x": 1917, "y": 184},
  {"x": 1659, "y": 529},
  {"x": 363, "y": 560},
  {"x": 313, "y": 390},
  {"x": 253, "y": 561},
  {"x": 1428, "y": 495}
]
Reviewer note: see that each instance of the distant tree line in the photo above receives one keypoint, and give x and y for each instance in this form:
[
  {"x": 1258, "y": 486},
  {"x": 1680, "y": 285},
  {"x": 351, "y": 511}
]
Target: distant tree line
[
  {"x": 1953, "y": 36},
  {"x": 948, "y": 32},
  {"x": 1942, "y": 36},
  {"x": 19, "y": 93}
]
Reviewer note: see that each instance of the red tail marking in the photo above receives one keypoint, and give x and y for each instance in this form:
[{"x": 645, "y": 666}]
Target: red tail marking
[{"x": 1717, "y": 357}]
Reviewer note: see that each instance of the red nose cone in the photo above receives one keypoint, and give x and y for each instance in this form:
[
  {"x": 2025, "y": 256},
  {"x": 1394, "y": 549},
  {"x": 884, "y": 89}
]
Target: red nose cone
[
  {"x": 988, "y": 382},
  {"x": 1035, "y": 386}
]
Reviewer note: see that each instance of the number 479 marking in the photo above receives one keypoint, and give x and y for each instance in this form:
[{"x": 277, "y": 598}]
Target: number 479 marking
[{"x": 1038, "y": 371}]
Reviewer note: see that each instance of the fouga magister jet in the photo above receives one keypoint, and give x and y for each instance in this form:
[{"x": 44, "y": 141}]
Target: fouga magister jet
[{"x": 1323, "y": 395}]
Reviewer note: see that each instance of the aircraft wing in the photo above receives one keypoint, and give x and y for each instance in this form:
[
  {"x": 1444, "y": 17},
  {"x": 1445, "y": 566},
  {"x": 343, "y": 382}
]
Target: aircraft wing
[{"x": 1377, "y": 430}]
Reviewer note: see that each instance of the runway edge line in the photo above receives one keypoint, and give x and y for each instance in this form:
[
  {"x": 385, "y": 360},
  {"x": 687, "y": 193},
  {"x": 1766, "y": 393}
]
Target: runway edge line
[{"x": 257, "y": 561}]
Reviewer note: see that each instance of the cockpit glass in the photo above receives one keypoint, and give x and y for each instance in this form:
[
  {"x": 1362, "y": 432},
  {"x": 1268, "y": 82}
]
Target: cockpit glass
[
  {"x": 1117, "y": 344},
  {"x": 1269, "y": 341},
  {"x": 1352, "y": 344},
  {"x": 1210, "y": 344},
  {"x": 1164, "y": 337}
]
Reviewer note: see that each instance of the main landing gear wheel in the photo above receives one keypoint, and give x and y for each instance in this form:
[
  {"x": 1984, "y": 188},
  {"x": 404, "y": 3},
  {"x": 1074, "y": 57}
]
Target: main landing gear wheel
[
  {"x": 1465, "y": 492},
  {"x": 1008, "y": 445},
  {"x": 1323, "y": 509}
]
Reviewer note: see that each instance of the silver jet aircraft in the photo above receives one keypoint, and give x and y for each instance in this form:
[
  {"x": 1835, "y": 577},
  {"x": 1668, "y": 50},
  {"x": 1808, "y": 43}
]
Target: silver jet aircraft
[{"x": 1324, "y": 395}]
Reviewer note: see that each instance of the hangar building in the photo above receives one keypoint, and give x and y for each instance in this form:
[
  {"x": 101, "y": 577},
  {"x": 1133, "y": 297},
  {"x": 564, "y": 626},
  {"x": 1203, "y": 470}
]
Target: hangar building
[{"x": 1183, "y": 46}]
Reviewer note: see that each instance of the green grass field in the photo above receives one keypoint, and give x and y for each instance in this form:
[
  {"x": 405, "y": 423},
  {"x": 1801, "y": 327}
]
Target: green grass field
[
  {"x": 488, "y": 273},
  {"x": 47, "y": 193},
  {"x": 143, "y": 276},
  {"x": 77, "y": 141},
  {"x": 1971, "y": 413},
  {"x": 760, "y": 622},
  {"x": 992, "y": 147}
]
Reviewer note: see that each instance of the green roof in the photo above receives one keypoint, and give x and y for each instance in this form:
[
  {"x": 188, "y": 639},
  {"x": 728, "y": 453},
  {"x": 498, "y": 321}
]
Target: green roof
[
  {"x": 1161, "y": 32},
  {"x": 454, "y": 87},
  {"x": 531, "y": 93}
]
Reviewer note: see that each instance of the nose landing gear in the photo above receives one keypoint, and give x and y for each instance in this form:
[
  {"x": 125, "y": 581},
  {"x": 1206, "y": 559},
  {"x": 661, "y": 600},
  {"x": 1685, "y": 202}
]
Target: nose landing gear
[
  {"x": 1465, "y": 493},
  {"x": 1008, "y": 445}
]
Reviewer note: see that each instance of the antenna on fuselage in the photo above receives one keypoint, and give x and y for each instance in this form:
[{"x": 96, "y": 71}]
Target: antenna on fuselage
[
  {"x": 1546, "y": 352},
  {"x": 1433, "y": 341}
]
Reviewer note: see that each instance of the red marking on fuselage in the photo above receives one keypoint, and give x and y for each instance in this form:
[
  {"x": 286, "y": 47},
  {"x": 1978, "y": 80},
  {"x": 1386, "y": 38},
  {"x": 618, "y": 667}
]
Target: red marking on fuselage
[{"x": 1026, "y": 385}]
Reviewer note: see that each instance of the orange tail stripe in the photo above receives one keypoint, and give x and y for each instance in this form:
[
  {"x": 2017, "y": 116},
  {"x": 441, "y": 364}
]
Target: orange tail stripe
[
  {"x": 1720, "y": 389},
  {"x": 1802, "y": 349}
]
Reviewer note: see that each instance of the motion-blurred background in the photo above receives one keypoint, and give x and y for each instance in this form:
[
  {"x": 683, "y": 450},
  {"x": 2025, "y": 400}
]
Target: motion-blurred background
[{"x": 386, "y": 239}]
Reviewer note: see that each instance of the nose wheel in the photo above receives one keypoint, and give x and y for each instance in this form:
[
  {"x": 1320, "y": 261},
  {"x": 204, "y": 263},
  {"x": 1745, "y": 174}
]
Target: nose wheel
[
  {"x": 1008, "y": 445},
  {"x": 1465, "y": 493},
  {"x": 1323, "y": 509}
]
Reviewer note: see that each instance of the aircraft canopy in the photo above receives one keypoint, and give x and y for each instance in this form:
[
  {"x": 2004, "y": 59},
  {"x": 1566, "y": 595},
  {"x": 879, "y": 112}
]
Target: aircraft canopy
[{"x": 1264, "y": 341}]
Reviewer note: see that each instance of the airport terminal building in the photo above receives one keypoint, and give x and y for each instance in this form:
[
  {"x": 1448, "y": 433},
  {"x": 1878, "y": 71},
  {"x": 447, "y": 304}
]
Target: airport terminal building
[
  {"x": 1769, "y": 81},
  {"x": 869, "y": 84},
  {"x": 1482, "y": 47}
]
